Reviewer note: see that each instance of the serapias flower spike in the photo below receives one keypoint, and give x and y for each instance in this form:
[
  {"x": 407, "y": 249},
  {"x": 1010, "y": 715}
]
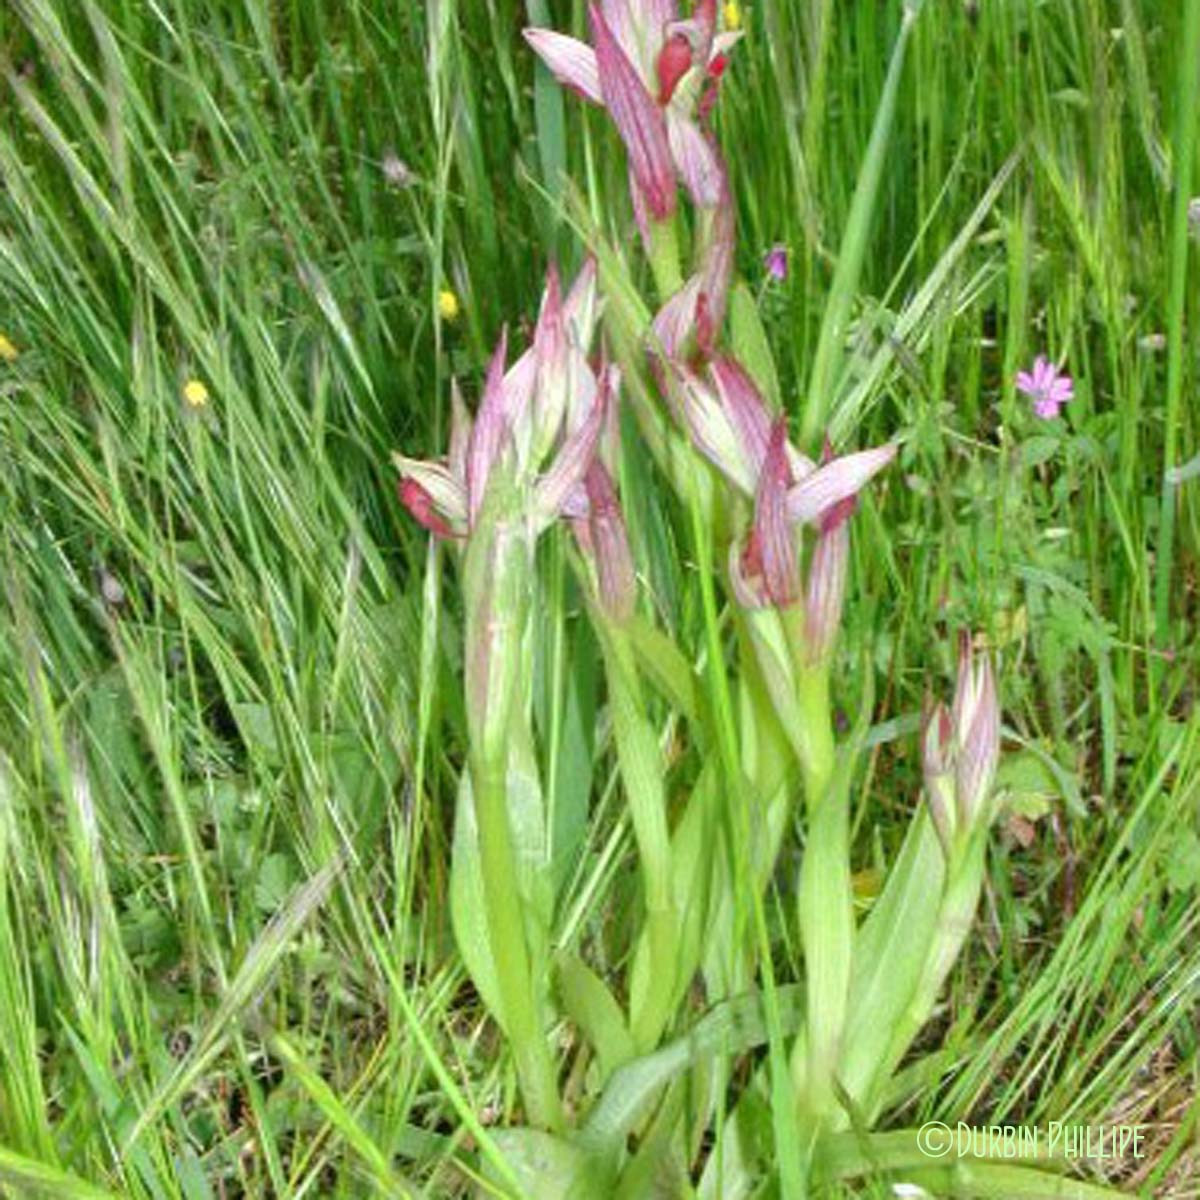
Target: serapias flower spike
[
  {"x": 658, "y": 76},
  {"x": 548, "y": 397}
]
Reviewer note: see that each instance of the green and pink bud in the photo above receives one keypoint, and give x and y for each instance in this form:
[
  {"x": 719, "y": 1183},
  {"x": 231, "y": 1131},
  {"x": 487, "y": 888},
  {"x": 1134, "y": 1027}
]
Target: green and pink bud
[
  {"x": 604, "y": 542},
  {"x": 976, "y": 713},
  {"x": 960, "y": 749}
]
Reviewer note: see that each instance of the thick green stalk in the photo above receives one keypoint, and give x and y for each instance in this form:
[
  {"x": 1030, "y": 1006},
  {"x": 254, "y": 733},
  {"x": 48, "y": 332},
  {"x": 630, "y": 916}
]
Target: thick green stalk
[
  {"x": 1185, "y": 153},
  {"x": 827, "y": 930},
  {"x": 506, "y": 931},
  {"x": 826, "y": 908},
  {"x": 642, "y": 774},
  {"x": 664, "y": 258},
  {"x": 816, "y": 717}
]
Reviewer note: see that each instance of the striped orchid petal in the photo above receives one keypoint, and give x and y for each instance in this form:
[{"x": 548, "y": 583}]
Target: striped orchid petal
[
  {"x": 713, "y": 433},
  {"x": 696, "y": 159},
  {"x": 773, "y": 530},
  {"x": 552, "y": 350},
  {"x": 638, "y": 119},
  {"x": 719, "y": 234},
  {"x": 631, "y": 27},
  {"x": 573, "y": 63},
  {"x": 609, "y": 544},
  {"x": 827, "y": 580},
  {"x": 460, "y": 434},
  {"x": 835, "y": 481},
  {"x": 675, "y": 322},
  {"x": 555, "y": 488},
  {"x": 491, "y": 424},
  {"x": 976, "y": 713},
  {"x": 744, "y": 407}
]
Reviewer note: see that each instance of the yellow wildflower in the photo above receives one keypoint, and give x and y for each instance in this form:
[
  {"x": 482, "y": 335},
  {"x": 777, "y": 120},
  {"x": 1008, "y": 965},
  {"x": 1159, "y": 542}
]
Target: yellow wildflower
[
  {"x": 195, "y": 393},
  {"x": 8, "y": 352},
  {"x": 447, "y": 304},
  {"x": 733, "y": 15}
]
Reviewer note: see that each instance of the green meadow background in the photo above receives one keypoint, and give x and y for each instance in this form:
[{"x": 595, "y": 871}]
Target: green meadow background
[{"x": 230, "y": 724}]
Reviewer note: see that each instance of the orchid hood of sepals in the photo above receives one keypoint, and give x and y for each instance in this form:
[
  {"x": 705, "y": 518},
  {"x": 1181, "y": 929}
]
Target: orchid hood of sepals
[
  {"x": 548, "y": 397},
  {"x": 827, "y": 571},
  {"x": 658, "y": 75},
  {"x": 728, "y": 420}
]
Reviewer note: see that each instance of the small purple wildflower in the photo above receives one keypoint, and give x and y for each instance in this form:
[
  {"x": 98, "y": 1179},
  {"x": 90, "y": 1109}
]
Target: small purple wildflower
[
  {"x": 776, "y": 262},
  {"x": 1049, "y": 388}
]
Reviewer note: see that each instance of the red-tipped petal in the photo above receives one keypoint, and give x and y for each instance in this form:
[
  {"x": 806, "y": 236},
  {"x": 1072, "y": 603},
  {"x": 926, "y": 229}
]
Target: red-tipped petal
[
  {"x": 573, "y": 63},
  {"x": 674, "y": 62},
  {"x": 775, "y": 533},
  {"x": 420, "y": 504},
  {"x": 638, "y": 119}
]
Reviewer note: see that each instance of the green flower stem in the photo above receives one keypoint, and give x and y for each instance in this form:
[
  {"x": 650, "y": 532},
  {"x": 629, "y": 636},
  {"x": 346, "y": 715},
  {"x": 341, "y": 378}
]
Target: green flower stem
[
  {"x": 664, "y": 257},
  {"x": 817, "y": 724},
  {"x": 506, "y": 931},
  {"x": 956, "y": 915},
  {"x": 642, "y": 774}
]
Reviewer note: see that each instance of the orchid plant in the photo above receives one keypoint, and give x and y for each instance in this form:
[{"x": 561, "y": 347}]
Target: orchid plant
[{"x": 774, "y": 526}]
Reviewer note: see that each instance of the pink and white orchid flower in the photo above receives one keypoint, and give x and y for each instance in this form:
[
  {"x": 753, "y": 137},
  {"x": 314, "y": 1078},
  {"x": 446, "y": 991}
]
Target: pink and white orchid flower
[
  {"x": 657, "y": 75},
  {"x": 732, "y": 428},
  {"x": 549, "y": 396}
]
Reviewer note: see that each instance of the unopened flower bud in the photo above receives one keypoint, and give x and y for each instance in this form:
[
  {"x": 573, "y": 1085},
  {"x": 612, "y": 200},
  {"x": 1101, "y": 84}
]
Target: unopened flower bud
[
  {"x": 609, "y": 543},
  {"x": 977, "y": 726},
  {"x": 937, "y": 762}
]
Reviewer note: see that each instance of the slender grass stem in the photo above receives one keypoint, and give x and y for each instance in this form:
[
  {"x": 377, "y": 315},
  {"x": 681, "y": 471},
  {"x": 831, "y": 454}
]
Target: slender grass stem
[{"x": 1187, "y": 115}]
